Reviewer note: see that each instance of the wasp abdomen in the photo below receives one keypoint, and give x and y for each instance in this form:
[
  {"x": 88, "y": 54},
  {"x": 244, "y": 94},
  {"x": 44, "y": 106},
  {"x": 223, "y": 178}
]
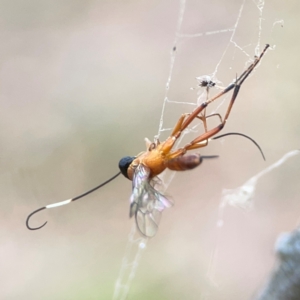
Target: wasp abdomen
[{"x": 185, "y": 162}]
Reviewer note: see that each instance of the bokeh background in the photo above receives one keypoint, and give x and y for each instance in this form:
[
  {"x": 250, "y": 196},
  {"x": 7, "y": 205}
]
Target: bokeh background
[{"x": 82, "y": 83}]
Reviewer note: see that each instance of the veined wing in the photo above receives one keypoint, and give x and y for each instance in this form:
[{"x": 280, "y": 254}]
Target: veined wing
[{"x": 146, "y": 203}]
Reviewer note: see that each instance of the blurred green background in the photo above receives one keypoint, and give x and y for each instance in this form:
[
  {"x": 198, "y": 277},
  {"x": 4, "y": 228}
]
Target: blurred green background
[{"x": 82, "y": 84}]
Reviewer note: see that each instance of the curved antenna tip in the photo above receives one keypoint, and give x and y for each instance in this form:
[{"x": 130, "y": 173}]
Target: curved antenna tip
[
  {"x": 66, "y": 202},
  {"x": 245, "y": 136},
  {"x": 30, "y": 215}
]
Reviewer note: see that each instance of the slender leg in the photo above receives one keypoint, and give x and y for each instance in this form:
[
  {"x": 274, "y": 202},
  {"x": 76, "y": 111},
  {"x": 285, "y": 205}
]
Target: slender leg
[
  {"x": 198, "y": 142},
  {"x": 179, "y": 124},
  {"x": 203, "y": 118},
  {"x": 238, "y": 82}
]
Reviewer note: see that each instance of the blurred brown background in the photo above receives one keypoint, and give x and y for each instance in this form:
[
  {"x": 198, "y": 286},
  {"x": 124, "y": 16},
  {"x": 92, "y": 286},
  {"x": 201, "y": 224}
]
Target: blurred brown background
[{"x": 82, "y": 83}]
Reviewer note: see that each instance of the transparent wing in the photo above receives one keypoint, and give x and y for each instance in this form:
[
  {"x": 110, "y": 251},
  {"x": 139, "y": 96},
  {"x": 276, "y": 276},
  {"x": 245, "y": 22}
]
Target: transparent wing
[{"x": 147, "y": 203}]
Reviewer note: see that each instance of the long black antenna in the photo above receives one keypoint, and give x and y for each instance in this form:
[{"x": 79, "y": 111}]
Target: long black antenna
[
  {"x": 243, "y": 135},
  {"x": 66, "y": 202}
]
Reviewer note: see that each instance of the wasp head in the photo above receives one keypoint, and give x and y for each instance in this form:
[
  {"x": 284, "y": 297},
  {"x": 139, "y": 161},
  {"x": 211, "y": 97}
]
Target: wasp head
[{"x": 124, "y": 164}]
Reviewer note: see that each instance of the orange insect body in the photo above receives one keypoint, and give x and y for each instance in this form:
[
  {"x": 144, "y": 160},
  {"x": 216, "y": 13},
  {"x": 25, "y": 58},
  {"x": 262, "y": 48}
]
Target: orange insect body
[
  {"x": 146, "y": 202},
  {"x": 158, "y": 157}
]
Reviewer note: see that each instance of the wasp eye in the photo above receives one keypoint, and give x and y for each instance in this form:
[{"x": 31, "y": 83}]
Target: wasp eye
[{"x": 124, "y": 164}]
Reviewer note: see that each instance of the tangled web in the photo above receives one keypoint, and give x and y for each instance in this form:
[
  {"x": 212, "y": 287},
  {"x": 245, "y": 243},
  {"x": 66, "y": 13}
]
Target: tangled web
[{"x": 222, "y": 39}]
